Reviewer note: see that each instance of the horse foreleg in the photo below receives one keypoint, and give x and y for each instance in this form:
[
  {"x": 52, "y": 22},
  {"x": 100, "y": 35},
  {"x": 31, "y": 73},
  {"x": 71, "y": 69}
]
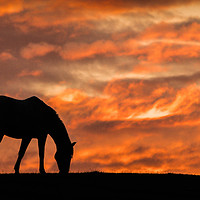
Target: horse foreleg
[
  {"x": 24, "y": 144},
  {"x": 41, "y": 145}
]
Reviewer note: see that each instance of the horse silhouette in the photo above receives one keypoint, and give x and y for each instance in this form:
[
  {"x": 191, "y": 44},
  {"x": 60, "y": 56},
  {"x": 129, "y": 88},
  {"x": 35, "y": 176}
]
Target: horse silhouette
[{"x": 32, "y": 118}]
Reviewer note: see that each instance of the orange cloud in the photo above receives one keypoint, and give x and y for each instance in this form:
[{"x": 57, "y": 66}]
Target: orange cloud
[
  {"x": 73, "y": 51},
  {"x": 10, "y": 7},
  {"x": 153, "y": 50},
  {"x": 127, "y": 100},
  {"x": 140, "y": 149},
  {"x": 178, "y": 33},
  {"x": 121, "y": 4},
  {"x": 37, "y": 49},
  {"x": 6, "y": 56},
  {"x": 164, "y": 52},
  {"x": 30, "y": 73},
  {"x": 70, "y": 51},
  {"x": 61, "y": 13}
]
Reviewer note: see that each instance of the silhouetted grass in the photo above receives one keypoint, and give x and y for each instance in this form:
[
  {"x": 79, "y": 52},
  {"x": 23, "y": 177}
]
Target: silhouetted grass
[{"x": 97, "y": 185}]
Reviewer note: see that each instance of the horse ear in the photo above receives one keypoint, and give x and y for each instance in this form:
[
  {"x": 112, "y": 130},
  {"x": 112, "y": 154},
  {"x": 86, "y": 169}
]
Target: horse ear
[{"x": 73, "y": 143}]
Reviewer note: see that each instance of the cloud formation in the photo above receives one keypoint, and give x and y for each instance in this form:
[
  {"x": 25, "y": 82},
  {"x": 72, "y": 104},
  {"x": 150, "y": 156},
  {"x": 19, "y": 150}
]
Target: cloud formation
[
  {"x": 10, "y": 7},
  {"x": 33, "y": 50}
]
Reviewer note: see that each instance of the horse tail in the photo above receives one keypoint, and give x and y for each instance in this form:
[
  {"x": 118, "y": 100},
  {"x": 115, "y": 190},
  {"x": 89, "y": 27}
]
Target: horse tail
[{"x": 1, "y": 137}]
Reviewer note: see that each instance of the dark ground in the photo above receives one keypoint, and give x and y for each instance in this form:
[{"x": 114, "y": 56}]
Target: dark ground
[{"x": 96, "y": 185}]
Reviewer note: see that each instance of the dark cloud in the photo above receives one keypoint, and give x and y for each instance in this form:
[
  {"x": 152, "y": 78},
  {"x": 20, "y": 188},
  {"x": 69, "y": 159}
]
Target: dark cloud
[
  {"x": 140, "y": 149},
  {"x": 154, "y": 161},
  {"x": 112, "y": 5},
  {"x": 146, "y": 86}
]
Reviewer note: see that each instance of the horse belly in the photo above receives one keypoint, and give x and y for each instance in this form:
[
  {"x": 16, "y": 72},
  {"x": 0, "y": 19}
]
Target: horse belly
[
  {"x": 21, "y": 128},
  {"x": 17, "y": 132},
  {"x": 20, "y": 120}
]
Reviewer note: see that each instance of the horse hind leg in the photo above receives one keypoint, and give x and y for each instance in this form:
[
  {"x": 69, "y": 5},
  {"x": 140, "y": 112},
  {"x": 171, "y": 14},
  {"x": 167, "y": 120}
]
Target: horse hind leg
[{"x": 41, "y": 145}]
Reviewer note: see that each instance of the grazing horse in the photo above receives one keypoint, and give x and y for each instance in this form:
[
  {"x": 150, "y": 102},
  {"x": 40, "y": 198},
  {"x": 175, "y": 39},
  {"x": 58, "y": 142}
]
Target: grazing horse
[{"x": 32, "y": 118}]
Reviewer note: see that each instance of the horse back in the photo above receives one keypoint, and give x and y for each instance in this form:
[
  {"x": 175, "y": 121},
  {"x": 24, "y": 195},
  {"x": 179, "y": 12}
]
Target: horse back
[
  {"x": 30, "y": 105},
  {"x": 21, "y": 115}
]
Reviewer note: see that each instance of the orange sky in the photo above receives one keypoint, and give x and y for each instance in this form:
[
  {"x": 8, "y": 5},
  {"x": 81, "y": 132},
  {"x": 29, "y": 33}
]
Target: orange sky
[{"x": 123, "y": 75}]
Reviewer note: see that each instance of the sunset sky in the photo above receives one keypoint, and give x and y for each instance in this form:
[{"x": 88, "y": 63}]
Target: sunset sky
[{"x": 123, "y": 75}]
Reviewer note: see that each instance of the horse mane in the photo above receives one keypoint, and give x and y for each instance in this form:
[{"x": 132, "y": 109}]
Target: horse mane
[
  {"x": 53, "y": 115},
  {"x": 49, "y": 114},
  {"x": 54, "y": 119}
]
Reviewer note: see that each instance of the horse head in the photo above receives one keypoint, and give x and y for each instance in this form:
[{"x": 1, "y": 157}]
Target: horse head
[{"x": 63, "y": 158}]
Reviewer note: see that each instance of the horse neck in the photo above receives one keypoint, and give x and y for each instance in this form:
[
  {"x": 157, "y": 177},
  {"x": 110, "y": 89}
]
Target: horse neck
[{"x": 60, "y": 137}]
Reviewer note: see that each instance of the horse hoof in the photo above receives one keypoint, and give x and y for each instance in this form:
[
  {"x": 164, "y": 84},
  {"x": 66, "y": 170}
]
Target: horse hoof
[{"x": 42, "y": 172}]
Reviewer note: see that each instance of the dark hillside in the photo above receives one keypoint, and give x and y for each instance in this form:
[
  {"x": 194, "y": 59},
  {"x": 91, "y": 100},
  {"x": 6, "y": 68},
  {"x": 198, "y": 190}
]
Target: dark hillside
[{"x": 100, "y": 185}]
